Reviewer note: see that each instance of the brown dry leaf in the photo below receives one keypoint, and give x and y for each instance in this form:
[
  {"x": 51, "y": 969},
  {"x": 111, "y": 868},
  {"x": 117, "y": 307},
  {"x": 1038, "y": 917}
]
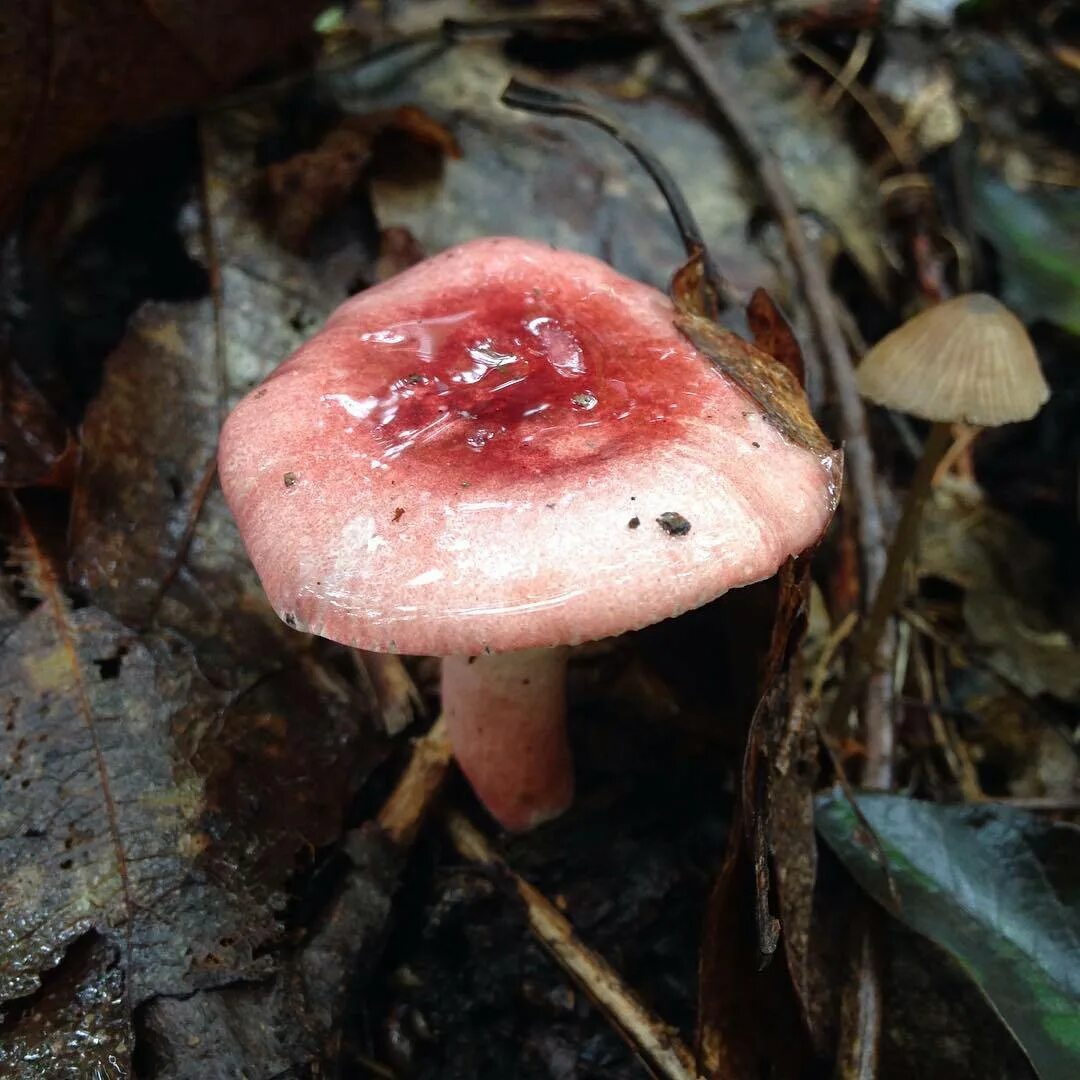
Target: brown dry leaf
[
  {"x": 313, "y": 185},
  {"x": 768, "y": 380},
  {"x": 1008, "y": 580},
  {"x": 773, "y": 334},
  {"x": 72, "y": 72},
  {"x": 773, "y": 834}
]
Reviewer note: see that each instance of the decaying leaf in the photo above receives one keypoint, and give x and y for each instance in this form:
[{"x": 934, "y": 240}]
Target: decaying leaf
[
  {"x": 1008, "y": 578},
  {"x": 818, "y": 162},
  {"x": 132, "y": 795},
  {"x": 767, "y": 380},
  {"x": 151, "y": 536},
  {"x": 772, "y": 834},
  {"x": 773, "y": 334},
  {"x": 35, "y": 445},
  {"x": 71, "y": 74},
  {"x": 313, "y": 185},
  {"x": 573, "y": 186},
  {"x": 148, "y": 442}
]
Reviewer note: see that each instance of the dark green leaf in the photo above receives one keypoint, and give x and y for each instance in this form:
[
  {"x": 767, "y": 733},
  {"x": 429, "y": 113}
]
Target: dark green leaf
[{"x": 996, "y": 887}]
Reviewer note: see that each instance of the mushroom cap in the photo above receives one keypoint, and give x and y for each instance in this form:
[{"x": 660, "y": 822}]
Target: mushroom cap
[
  {"x": 967, "y": 360},
  {"x": 508, "y": 446}
]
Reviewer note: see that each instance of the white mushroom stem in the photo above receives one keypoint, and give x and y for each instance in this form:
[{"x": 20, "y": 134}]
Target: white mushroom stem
[{"x": 506, "y": 718}]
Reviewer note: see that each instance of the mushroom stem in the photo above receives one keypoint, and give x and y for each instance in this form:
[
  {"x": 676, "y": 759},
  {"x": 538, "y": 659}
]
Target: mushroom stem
[
  {"x": 506, "y": 718},
  {"x": 907, "y": 530}
]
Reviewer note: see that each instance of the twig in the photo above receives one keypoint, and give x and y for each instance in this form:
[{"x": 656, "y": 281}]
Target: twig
[
  {"x": 1044, "y": 803},
  {"x": 836, "y": 638},
  {"x": 403, "y": 813},
  {"x": 895, "y": 140},
  {"x": 845, "y": 76},
  {"x": 860, "y": 1012},
  {"x": 436, "y": 38},
  {"x": 391, "y": 684},
  {"x": 877, "y": 849},
  {"x": 656, "y": 1043},
  {"x": 866, "y": 658},
  {"x": 859, "y": 457}
]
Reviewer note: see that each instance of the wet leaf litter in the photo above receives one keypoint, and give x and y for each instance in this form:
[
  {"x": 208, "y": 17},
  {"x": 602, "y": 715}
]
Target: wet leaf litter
[{"x": 253, "y": 752}]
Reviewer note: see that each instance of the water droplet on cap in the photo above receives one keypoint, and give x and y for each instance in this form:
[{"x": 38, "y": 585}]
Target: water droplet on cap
[{"x": 479, "y": 438}]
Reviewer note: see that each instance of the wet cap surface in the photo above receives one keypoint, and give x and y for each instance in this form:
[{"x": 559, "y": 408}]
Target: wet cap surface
[{"x": 450, "y": 465}]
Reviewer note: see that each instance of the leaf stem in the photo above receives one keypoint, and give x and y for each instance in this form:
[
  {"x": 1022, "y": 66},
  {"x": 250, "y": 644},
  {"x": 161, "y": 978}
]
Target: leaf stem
[{"x": 537, "y": 99}]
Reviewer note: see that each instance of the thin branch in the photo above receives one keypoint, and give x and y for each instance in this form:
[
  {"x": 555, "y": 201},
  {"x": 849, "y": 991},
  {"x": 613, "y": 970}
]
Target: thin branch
[
  {"x": 853, "y": 65},
  {"x": 894, "y": 139},
  {"x": 445, "y": 33},
  {"x": 859, "y": 458},
  {"x": 657, "y": 1044},
  {"x": 403, "y": 812}
]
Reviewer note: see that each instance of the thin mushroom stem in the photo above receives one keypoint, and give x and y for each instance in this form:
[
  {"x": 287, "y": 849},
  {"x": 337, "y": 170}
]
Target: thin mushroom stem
[
  {"x": 888, "y": 593},
  {"x": 521, "y": 95}
]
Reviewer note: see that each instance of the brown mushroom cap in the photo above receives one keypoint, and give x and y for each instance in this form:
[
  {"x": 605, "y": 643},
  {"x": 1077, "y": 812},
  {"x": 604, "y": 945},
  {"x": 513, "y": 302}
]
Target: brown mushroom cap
[
  {"x": 967, "y": 360},
  {"x": 509, "y": 446}
]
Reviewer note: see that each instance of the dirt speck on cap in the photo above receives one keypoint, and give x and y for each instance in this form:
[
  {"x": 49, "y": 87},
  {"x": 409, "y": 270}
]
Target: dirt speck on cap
[{"x": 673, "y": 524}]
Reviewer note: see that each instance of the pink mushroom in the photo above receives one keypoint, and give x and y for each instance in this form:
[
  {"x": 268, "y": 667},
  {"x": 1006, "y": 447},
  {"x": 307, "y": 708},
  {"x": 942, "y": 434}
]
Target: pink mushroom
[{"x": 503, "y": 451}]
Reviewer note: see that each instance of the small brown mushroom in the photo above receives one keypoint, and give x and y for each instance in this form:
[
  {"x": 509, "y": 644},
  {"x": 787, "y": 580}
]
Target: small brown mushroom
[{"x": 968, "y": 360}]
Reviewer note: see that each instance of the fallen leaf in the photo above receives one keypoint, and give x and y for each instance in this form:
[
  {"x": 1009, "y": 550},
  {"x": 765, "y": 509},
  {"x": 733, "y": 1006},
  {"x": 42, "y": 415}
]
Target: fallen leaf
[
  {"x": 555, "y": 180},
  {"x": 996, "y": 887},
  {"x": 313, "y": 185},
  {"x": 147, "y": 807},
  {"x": 76, "y": 1025},
  {"x": 818, "y": 161},
  {"x": 148, "y": 445},
  {"x": 772, "y": 835},
  {"x": 1009, "y": 582},
  {"x": 71, "y": 74},
  {"x": 152, "y": 540}
]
